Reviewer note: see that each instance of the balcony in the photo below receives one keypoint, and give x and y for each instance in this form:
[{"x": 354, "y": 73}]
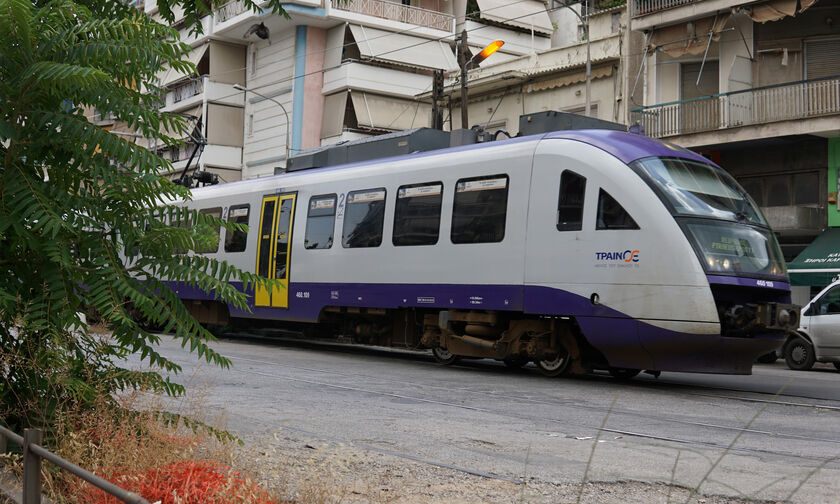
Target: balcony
[
  {"x": 393, "y": 11},
  {"x": 366, "y": 77},
  {"x": 185, "y": 91},
  {"x": 781, "y": 102},
  {"x": 229, "y": 11},
  {"x": 645, "y": 7}
]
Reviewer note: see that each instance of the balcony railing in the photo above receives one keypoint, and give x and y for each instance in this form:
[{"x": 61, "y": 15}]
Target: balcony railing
[
  {"x": 780, "y": 102},
  {"x": 397, "y": 12},
  {"x": 230, "y": 10},
  {"x": 185, "y": 91},
  {"x": 644, "y": 7}
]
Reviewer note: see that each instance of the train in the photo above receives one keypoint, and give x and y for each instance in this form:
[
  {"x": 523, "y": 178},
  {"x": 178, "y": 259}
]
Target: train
[{"x": 577, "y": 250}]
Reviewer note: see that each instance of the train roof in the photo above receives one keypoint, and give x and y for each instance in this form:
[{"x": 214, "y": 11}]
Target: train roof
[{"x": 625, "y": 146}]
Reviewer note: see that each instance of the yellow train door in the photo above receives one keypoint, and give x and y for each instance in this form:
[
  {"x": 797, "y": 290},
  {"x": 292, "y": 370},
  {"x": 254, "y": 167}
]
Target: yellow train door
[{"x": 274, "y": 248}]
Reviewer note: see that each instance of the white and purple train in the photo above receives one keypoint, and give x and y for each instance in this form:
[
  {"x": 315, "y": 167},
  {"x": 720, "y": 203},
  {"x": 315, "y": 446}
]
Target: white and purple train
[{"x": 577, "y": 250}]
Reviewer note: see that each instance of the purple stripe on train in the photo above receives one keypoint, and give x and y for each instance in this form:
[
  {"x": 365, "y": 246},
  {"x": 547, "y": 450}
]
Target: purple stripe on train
[{"x": 624, "y": 341}]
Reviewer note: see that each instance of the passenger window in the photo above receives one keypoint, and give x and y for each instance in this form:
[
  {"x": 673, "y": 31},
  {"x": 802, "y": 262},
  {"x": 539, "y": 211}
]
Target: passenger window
[
  {"x": 237, "y": 240},
  {"x": 320, "y": 222},
  {"x": 480, "y": 209},
  {"x": 611, "y": 215},
  {"x": 417, "y": 214},
  {"x": 364, "y": 217},
  {"x": 180, "y": 219},
  {"x": 570, "y": 202},
  {"x": 211, "y": 236}
]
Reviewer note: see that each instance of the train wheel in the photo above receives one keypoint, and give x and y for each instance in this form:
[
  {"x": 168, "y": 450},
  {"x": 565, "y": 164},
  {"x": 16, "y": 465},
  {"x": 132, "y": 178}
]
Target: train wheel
[
  {"x": 444, "y": 356},
  {"x": 624, "y": 373},
  {"x": 799, "y": 354},
  {"x": 554, "y": 367},
  {"x": 515, "y": 362}
]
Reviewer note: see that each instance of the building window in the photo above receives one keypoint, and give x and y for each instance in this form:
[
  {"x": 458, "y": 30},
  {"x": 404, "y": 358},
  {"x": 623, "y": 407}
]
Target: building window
[
  {"x": 480, "y": 209},
  {"x": 570, "y": 202},
  {"x": 611, "y": 215},
  {"x": 235, "y": 241},
  {"x": 250, "y": 124},
  {"x": 822, "y": 58},
  {"x": 417, "y": 214},
  {"x": 364, "y": 218},
  {"x": 320, "y": 222}
]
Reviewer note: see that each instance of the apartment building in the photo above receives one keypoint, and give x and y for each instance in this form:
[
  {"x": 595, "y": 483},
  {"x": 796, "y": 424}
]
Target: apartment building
[
  {"x": 754, "y": 86},
  {"x": 334, "y": 70}
]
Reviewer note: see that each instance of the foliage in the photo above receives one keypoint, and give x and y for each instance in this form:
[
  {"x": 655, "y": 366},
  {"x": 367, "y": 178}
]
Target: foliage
[
  {"x": 188, "y": 482},
  {"x": 73, "y": 196}
]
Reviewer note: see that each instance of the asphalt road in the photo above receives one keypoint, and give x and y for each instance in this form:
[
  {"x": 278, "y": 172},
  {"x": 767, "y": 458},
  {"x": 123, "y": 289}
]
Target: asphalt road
[{"x": 773, "y": 435}]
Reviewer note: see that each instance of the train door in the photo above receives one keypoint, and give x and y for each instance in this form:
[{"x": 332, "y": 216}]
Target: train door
[{"x": 274, "y": 248}]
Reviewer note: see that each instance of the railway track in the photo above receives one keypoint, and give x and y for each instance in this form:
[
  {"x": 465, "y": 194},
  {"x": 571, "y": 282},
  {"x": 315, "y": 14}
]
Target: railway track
[{"x": 617, "y": 417}]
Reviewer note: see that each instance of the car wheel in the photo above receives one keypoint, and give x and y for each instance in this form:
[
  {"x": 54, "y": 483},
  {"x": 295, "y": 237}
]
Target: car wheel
[
  {"x": 836, "y": 365},
  {"x": 444, "y": 356},
  {"x": 799, "y": 354}
]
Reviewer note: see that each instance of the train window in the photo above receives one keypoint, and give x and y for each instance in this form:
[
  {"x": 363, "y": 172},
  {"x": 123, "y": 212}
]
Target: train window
[
  {"x": 180, "y": 218},
  {"x": 480, "y": 209},
  {"x": 364, "y": 217},
  {"x": 320, "y": 222},
  {"x": 611, "y": 215},
  {"x": 570, "y": 202},
  {"x": 417, "y": 214},
  {"x": 209, "y": 243},
  {"x": 235, "y": 241}
]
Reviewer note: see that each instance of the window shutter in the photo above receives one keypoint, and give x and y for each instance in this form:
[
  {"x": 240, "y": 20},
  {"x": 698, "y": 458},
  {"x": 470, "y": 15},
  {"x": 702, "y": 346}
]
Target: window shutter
[{"x": 822, "y": 58}]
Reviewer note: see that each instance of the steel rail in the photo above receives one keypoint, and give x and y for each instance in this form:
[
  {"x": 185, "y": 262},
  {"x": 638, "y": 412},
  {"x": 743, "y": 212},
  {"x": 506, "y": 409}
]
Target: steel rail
[
  {"x": 571, "y": 423},
  {"x": 424, "y": 356}
]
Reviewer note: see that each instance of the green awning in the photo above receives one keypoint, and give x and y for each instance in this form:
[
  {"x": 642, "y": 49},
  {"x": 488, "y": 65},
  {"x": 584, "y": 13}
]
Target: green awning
[{"x": 819, "y": 263}]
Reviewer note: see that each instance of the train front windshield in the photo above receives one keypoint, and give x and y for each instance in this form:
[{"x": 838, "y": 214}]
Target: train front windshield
[{"x": 719, "y": 217}]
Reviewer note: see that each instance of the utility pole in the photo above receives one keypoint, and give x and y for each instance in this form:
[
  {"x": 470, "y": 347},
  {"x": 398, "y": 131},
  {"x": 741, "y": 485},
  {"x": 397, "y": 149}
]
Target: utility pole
[
  {"x": 463, "y": 60},
  {"x": 437, "y": 100}
]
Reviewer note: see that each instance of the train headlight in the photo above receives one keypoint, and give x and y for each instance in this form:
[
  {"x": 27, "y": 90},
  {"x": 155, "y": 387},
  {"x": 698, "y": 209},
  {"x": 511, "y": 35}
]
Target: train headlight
[{"x": 719, "y": 264}]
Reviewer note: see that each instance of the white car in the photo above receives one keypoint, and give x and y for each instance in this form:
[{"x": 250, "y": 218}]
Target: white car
[{"x": 819, "y": 332}]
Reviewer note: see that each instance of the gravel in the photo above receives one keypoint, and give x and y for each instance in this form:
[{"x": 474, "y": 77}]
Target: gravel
[{"x": 309, "y": 470}]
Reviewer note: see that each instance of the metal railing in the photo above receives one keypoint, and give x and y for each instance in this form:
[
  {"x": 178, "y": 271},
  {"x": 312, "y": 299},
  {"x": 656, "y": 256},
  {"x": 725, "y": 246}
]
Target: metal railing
[
  {"x": 398, "y": 12},
  {"x": 779, "y": 102},
  {"x": 34, "y": 453},
  {"x": 229, "y": 11},
  {"x": 645, "y": 7}
]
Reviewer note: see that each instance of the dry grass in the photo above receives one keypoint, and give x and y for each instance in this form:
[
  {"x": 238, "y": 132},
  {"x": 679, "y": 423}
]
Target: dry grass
[{"x": 141, "y": 450}]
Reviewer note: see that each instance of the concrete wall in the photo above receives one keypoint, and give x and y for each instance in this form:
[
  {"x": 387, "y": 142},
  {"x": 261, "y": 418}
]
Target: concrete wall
[{"x": 502, "y": 109}]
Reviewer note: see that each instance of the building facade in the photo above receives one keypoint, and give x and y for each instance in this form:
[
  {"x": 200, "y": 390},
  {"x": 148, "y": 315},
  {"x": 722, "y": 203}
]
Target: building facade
[{"x": 755, "y": 86}]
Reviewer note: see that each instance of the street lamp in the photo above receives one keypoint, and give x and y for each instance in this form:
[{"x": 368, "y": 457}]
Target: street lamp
[
  {"x": 464, "y": 62},
  {"x": 242, "y": 88},
  {"x": 585, "y": 23}
]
